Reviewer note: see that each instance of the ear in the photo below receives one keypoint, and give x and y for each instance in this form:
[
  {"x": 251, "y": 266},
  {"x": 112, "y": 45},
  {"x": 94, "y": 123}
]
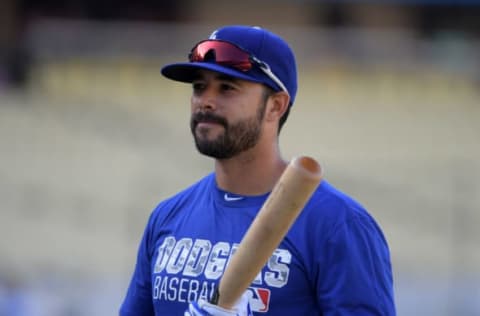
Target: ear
[{"x": 277, "y": 104}]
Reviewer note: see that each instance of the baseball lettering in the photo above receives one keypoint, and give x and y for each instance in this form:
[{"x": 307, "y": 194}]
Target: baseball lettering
[{"x": 188, "y": 269}]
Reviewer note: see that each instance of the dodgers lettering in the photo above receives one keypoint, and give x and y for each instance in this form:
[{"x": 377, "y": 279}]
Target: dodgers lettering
[{"x": 186, "y": 269}]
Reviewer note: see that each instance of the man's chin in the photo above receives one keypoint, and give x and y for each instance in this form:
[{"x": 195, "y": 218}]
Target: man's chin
[
  {"x": 209, "y": 152},
  {"x": 212, "y": 149},
  {"x": 208, "y": 134}
]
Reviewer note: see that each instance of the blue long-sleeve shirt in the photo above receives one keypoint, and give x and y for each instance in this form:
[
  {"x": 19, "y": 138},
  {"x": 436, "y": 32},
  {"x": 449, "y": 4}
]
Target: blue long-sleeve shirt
[{"x": 333, "y": 261}]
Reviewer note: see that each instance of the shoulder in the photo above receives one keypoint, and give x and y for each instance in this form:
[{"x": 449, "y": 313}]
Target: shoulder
[
  {"x": 332, "y": 204},
  {"x": 331, "y": 209}
]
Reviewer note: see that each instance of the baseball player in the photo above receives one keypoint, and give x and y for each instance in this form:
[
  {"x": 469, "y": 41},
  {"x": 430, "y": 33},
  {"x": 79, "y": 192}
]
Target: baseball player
[{"x": 333, "y": 261}]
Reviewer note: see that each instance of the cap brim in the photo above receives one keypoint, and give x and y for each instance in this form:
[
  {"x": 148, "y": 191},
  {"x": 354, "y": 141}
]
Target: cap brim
[{"x": 187, "y": 72}]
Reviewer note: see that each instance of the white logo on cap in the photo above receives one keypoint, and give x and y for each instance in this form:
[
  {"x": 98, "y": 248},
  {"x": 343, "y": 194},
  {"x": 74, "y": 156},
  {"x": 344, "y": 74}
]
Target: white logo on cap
[{"x": 213, "y": 35}]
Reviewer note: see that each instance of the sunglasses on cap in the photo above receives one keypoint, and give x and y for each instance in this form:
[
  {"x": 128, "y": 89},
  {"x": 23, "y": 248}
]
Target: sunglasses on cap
[{"x": 230, "y": 55}]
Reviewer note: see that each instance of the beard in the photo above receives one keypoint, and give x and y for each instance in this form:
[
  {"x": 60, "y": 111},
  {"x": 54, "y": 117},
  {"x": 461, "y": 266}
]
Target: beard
[{"x": 236, "y": 138}]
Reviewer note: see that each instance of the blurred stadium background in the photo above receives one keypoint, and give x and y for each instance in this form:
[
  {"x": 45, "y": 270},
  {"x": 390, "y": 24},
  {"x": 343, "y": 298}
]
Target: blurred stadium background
[{"x": 92, "y": 137}]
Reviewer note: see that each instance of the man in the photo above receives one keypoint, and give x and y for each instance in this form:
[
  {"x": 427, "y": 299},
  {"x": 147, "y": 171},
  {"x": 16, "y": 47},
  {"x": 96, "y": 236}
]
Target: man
[{"x": 333, "y": 261}]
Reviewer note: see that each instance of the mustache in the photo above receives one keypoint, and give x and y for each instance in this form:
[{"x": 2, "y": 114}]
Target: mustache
[{"x": 207, "y": 117}]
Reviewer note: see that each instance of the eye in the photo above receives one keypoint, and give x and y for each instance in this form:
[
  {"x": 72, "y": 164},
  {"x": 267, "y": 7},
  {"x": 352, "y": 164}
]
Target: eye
[
  {"x": 198, "y": 86},
  {"x": 227, "y": 87}
]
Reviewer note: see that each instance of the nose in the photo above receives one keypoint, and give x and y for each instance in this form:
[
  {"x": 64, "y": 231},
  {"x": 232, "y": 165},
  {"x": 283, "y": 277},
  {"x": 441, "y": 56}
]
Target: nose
[{"x": 204, "y": 100}]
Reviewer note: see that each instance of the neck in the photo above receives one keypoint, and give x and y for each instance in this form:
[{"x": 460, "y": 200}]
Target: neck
[{"x": 252, "y": 172}]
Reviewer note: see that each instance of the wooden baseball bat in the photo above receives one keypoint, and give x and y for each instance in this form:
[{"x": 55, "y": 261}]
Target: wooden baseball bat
[{"x": 288, "y": 197}]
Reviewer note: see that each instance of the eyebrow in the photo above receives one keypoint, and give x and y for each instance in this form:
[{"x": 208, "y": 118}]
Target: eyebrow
[{"x": 225, "y": 77}]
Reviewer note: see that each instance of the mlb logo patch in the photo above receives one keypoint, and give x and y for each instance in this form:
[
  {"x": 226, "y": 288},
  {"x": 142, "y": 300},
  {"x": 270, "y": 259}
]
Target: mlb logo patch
[{"x": 259, "y": 299}]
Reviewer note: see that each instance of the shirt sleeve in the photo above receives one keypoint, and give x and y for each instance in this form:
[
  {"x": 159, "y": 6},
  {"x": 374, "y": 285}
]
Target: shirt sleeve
[
  {"x": 355, "y": 275},
  {"x": 138, "y": 300}
]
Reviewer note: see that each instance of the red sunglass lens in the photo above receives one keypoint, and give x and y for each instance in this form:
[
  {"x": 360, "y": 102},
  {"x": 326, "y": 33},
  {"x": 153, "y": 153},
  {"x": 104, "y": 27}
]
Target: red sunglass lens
[{"x": 223, "y": 53}]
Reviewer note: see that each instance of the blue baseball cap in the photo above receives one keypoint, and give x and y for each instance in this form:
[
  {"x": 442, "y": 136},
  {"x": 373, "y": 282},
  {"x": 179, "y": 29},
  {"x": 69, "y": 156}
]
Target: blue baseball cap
[{"x": 275, "y": 62}]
